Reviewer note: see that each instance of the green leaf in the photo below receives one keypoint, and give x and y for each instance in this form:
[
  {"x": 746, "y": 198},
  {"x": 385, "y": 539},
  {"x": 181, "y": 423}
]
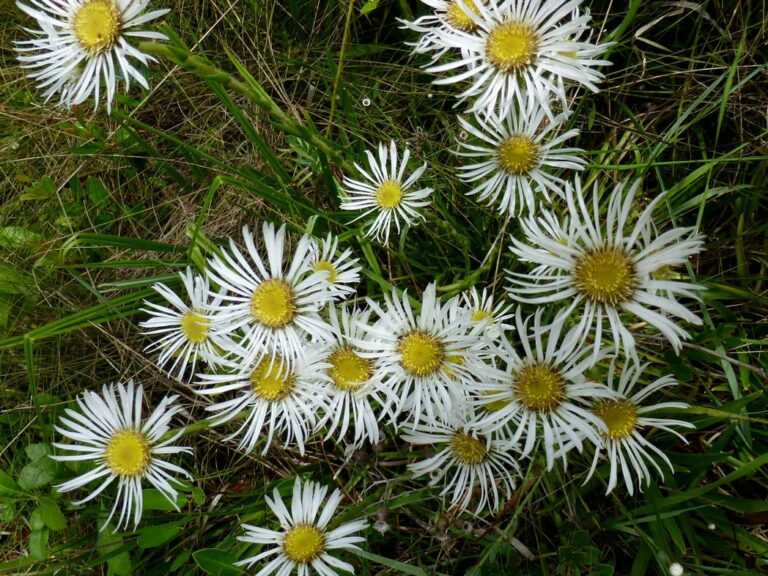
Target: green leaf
[
  {"x": 12, "y": 281},
  {"x": 36, "y": 519},
  {"x": 216, "y": 562},
  {"x": 97, "y": 192},
  {"x": 7, "y": 485},
  {"x": 108, "y": 543},
  {"x": 38, "y": 544},
  {"x": 369, "y": 6},
  {"x": 34, "y": 476},
  {"x": 51, "y": 514},
  {"x": 154, "y": 536},
  {"x": 401, "y": 567},
  {"x": 154, "y": 500},
  {"x": 40, "y": 190},
  {"x": 37, "y": 451},
  {"x": 15, "y": 237}
]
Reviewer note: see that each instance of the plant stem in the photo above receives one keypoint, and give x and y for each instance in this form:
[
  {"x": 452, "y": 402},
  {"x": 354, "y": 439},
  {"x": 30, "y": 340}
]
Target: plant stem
[{"x": 340, "y": 65}]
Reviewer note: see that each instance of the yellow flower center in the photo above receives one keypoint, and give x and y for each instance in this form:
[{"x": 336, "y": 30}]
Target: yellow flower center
[
  {"x": 467, "y": 449},
  {"x": 458, "y": 18},
  {"x": 273, "y": 303},
  {"x": 271, "y": 379},
  {"x": 539, "y": 387},
  {"x": 348, "y": 370},
  {"x": 620, "y": 417},
  {"x": 303, "y": 543},
  {"x": 605, "y": 275},
  {"x": 480, "y": 315},
  {"x": 511, "y": 46},
  {"x": 97, "y": 25},
  {"x": 326, "y": 266},
  {"x": 389, "y": 194},
  {"x": 421, "y": 354},
  {"x": 194, "y": 326},
  {"x": 517, "y": 155},
  {"x": 127, "y": 453}
]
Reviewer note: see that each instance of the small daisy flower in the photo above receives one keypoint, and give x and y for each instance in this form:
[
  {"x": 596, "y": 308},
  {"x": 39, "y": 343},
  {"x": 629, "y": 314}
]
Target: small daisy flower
[
  {"x": 468, "y": 460},
  {"x": 517, "y": 158},
  {"x": 343, "y": 270},
  {"x": 447, "y": 15},
  {"x": 426, "y": 360},
  {"x": 483, "y": 311},
  {"x": 605, "y": 267},
  {"x": 354, "y": 380},
  {"x": 545, "y": 393},
  {"x": 110, "y": 432},
  {"x": 626, "y": 418},
  {"x": 274, "y": 304},
  {"x": 305, "y": 543},
  {"x": 273, "y": 396},
  {"x": 386, "y": 192},
  {"x": 183, "y": 329},
  {"x": 522, "y": 50},
  {"x": 82, "y": 43}
]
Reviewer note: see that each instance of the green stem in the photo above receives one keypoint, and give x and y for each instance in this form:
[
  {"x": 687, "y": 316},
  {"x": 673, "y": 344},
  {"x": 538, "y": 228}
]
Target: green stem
[
  {"x": 290, "y": 125},
  {"x": 340, "y": 65}
]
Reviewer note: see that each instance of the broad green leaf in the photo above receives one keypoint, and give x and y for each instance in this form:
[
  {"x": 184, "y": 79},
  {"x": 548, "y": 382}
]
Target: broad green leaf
[
  {"x": 38, "y": 544},
  {"x": 369, "y": 6},
  {"x": 37, "y": 451},
  {"x": 216, "y": 562},
  {"x": 154, "y": 500},
  {"x": 34, "y": 476},
  {"x": 15, "y": 237},
  {"x": 7, "y": 485},
  {"x": 108, "y": 542},
  {"x": 52, "y": 515},
  {"x": 154, "y": 536}
]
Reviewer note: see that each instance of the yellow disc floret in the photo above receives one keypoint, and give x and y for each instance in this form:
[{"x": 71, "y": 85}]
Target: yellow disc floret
[
  {"x": 303, "y": 543},
  {"x": 194, "y": 326},
  {"x": 468, "y": 449},
  {"x": 620, "y": 417},
  {"x": 96, "y": 24},
  {"x": 512, "y": 45},
  {"x": 539, "y": 387},
  {"x": 273, "y": 303},
  {"x": 327, "y": 266},
  {"x": 605, "y": 275},
  {"x": 421, "y": 354},
  {"x": 458, "y": 18},
  {"x": 271, "y": 379},
  {"x": 389, "y": 194},
  {"x": 517, "y": 155},
  {"x": 348, "y": 370},
  {"x": 127, "y": 453}
]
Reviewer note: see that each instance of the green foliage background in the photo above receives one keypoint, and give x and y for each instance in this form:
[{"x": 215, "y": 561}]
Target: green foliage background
[{"x": 94, "y": 209}]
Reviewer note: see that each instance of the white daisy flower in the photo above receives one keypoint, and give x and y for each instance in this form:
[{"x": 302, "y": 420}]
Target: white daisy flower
[
  {"x": 275, "y": 305},
  {"x": 354, "y": 380},
  {"x": 343, "y": 270},
  {"x": 545, "y": 393},
  {"x": 305, "y": 543},
  {"x": 447, "y": 15},
  {"x": 82, "y": 43},
  {"x": 468, "y": 460},
  {"x": 522, "y": 50},
  {"x": 483, "y": 311},
  {"x": 605, "y": 267},
  {"x": 273, "y": 397},
  {"x": 184, "y": 328},
  {"x": 426, "y": 360},
  {"x": 627, "y": 420},
  {"x": 110, "y": 432},
  {"x": 518, "y": 158},
  {"x": 386, "y": 193}
]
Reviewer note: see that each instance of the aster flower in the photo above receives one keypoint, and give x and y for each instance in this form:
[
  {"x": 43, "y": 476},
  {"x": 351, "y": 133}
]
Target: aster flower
[
  {"x": 386, "y": 192},
  {"x": 628, "y": 418},
  {"x": 354, "y": 380},
  {"x": 273, "y": 397},
  {"x": 447, "y": 15},
  {"x": 305, "y": 543},
  {"x": 517, "y": 158},
  {"x": 109, "y": 431},
  {"x": 522, "y": 50},
  {"x": 604, "y": 267},
  {"x": 82, "y": 43},
  {"x": 343, "y": 270},
  {"x": 183, "y": 329},
  {"x": 483, "y": 310},
  {"x": 545, "y": 393},
  {"x": 273, "y": 304},
  {"x": 426, "y": 360},
  {"x": 469, "y": 459}
]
